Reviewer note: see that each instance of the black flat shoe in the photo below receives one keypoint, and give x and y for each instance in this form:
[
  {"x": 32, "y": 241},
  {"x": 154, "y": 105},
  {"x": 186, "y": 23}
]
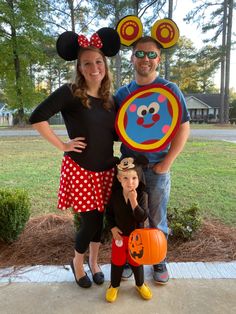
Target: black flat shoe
[
  {"x": 83, "y": 282},
  {"x": 98, "y": 277}
]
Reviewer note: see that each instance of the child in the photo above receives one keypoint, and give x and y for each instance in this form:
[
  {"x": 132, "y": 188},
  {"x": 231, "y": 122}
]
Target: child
[{"x": 126, "y": 211}]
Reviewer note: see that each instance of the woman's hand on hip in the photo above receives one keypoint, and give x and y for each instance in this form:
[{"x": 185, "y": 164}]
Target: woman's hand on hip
[{"x": 75, "y": 145}]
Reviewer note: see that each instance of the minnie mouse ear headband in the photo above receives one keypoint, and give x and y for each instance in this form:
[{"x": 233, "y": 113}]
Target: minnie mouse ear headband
[
  {"x": 106, "y": 39},
  {"x": 164, "y": 31}
]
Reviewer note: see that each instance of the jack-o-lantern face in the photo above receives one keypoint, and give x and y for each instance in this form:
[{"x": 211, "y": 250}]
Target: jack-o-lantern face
[
  {"x": 136, "y": 247},
  {"x": 147, "y": 246}
]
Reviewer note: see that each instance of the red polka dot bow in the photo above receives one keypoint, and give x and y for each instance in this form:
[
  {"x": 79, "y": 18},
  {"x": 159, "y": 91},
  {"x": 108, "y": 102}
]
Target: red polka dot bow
[{"x": 94, "y": 41}]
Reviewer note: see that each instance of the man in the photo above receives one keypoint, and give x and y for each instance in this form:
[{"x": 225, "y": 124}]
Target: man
[{"x": 146, "y": 56}]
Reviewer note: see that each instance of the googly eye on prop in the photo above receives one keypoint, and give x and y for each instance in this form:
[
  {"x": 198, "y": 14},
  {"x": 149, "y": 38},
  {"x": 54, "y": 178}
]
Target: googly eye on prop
[
  {"x": 166, "y": 32},
  {"x": 69, "y": 43},
  {"x": 129, "y": 29},
  {"x": 149, "y": 118}
]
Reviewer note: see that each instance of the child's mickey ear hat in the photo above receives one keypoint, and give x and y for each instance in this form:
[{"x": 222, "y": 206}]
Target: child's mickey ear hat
[
  {"x": 136, "y": 163},
  {"x": 164, "y": 31},
  {"x": 106, "y": 39}
]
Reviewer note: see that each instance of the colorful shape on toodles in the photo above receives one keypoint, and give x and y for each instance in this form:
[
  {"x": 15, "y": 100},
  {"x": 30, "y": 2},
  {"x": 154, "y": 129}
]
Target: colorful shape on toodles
[{"x": 149, "y": 118}]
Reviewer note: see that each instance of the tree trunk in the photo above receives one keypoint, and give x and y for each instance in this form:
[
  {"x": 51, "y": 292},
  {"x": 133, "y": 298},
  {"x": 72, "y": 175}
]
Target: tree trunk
[
  {"x": 117, "y": 71},
  {"x": 222, "y": 78},
  {"x": 72, "y": 14},
  {"x": 227, "y": 69},
  {"x": 167, "y": 53},
  {"x": 20, "y": 113}
]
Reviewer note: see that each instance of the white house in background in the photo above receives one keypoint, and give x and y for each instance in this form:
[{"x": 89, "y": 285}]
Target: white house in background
[
  {"x": 6, "y": 116},
  {"x": 203, "y": 107}
]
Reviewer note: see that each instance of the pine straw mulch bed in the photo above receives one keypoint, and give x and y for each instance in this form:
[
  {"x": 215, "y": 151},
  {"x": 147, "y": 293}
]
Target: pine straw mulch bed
[{"x": 49, "y": 240}]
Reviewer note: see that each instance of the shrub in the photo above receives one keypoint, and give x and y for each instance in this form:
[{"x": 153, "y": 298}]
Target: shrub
[
  {"x": 184, "y": 222},
  {"x": 14, "y": 213}
]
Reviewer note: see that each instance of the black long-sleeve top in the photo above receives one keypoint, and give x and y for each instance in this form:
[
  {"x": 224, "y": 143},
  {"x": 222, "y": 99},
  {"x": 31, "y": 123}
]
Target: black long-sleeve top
[
  {"x": 120, "y": 214},
  {"x": 95, "y": 124}
]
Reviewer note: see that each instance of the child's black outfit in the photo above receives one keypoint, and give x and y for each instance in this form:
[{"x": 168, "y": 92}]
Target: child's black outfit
[{"x": 120, "y": 214}]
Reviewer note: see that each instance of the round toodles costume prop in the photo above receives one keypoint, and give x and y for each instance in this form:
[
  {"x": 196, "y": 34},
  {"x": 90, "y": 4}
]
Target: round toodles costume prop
[{"x": 149, "y": 117}]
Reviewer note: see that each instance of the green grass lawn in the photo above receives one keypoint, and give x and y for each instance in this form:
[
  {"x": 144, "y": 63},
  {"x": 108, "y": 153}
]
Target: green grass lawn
[{"x": 205, "y": 173}]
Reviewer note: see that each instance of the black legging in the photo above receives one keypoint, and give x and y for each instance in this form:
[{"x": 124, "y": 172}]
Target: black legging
[
  {"x": 90, "y": 230},
  {"x": 116, "y": 273}
]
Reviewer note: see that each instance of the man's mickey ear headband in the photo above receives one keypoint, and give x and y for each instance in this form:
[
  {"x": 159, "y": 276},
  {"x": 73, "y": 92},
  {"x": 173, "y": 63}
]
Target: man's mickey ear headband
[
  {"x": 164, "y": 31},
  {"x": 106, "y": 39}
]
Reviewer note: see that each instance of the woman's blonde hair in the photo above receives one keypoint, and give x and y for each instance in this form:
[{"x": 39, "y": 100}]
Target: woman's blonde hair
[{"x": 79, "y": 86}]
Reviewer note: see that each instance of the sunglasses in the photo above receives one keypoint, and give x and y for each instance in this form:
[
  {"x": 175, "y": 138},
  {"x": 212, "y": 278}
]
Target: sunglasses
[{"x": 150, "y": 54}]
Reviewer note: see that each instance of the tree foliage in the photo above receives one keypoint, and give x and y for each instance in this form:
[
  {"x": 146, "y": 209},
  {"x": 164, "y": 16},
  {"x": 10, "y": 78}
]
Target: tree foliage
[
  {"x": 21, "y": 37},
  {"x": 191, "y": 69},
  {"x": 215, "y": 19}
]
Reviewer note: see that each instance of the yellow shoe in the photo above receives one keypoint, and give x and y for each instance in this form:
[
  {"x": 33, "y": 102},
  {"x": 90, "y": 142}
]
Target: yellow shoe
[
  {"x": 145, "y": 291},
  {"x": 111, "y": 294}
]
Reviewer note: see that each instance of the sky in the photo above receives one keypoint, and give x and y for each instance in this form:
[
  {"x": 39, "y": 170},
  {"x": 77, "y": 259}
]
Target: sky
[{"x": 185, "y": 29}]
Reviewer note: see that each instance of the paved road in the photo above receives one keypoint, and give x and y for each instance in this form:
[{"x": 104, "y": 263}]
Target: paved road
[
  {"x": 212, "y": 134},
  {"x": 26, "y": 132},
  {"x": 215, "y": 134}
]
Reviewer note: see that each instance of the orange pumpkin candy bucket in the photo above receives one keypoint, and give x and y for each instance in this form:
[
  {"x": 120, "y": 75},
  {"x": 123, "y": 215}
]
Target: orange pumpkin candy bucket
[{"x": 147, "y": 246}]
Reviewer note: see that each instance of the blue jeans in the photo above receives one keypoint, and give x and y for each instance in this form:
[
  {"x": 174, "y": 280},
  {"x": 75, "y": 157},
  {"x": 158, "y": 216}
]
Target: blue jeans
[{"x": 158, "y": 189}]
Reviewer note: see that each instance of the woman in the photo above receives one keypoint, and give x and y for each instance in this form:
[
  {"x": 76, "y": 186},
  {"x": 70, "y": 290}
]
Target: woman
[{"x": 88, "y": 165}]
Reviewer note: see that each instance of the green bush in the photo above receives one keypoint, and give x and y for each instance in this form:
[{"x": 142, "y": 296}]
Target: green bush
[
  {"x": 184, "y": 222},
  {"x": 14, "y": 213}
]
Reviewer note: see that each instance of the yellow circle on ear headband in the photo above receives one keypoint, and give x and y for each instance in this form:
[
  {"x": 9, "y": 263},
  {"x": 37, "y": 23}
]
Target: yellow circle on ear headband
[
  {"x": 166, "y": 32},
  {"x": 129, "y": 29}
]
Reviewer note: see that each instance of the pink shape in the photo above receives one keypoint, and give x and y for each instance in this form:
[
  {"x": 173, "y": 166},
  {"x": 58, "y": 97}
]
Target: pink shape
[
  {"x": 161, "y": 98},
  {"x": 132, "y": 108},
  {"x": 165, "y": 128}
]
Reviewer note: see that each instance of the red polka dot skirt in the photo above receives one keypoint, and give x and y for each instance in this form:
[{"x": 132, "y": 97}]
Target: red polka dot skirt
[{"x": 83, "y": 190}]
